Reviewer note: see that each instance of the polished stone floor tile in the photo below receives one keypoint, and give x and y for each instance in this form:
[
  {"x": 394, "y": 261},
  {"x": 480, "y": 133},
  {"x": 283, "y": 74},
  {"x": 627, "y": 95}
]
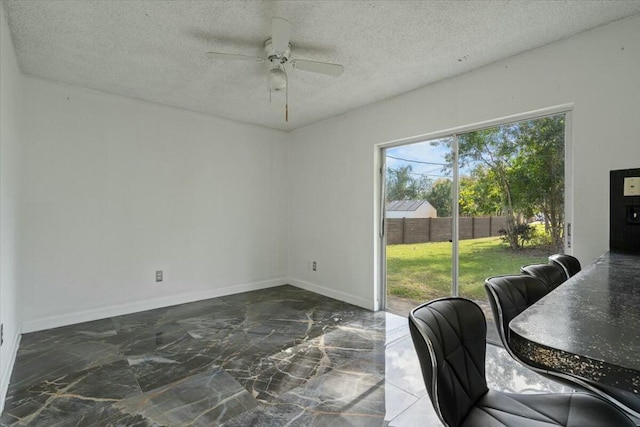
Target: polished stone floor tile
[
  {"x": 358, "y": 346},
  {"x": 352, "y": 347},
  {"x": 269, "y": 377},
  {"x": 94, "y": 331},
  {"x": 336, "y": 398},
  {"x": 213, "y": 327},
  {"x": 161, "y": 354},
  {"x": 152, "y": 318},
  {"x": 205, "y": 399},
  {"x": 279, "y": 356},
  {"x": 50, "y": 402},
  {"x": 158, "y": 369},
  {"x": 107, "y": 416},
  {"x": 52, "y": 362},
  {"x": 166, "y": 338}
]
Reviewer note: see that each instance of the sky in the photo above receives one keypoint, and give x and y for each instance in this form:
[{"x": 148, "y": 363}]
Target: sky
[
  {"x": 422, "y": 152},
  {"x": 426, "y": 152}
]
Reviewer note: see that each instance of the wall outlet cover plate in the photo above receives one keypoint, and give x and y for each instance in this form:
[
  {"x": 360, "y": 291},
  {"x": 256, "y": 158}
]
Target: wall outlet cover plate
[{"x": 632, "y": 186}]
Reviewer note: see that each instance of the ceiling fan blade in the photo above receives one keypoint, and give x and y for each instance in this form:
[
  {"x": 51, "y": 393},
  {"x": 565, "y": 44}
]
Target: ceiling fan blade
[
  {"x": 318, "y": 67},
  {"x": 280, "y": 34},
  {"x": 233, "y": 57}
]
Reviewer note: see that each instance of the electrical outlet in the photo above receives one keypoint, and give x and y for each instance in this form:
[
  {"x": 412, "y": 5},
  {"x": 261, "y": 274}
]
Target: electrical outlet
[
  {"x": 632, "y": 186},
  {"x": 314, "y": 266},
  {"x": 159, "y": 276}
]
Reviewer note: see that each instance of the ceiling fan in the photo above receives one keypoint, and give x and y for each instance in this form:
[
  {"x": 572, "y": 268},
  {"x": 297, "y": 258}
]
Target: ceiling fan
[{"x": 277, "y": 54}]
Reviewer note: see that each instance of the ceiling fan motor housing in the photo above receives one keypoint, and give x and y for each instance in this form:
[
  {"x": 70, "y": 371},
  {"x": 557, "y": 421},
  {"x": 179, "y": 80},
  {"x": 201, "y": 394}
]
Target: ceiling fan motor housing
[
  {"x": 277, "y": 74},
  {"x": 276, "y": 58}
]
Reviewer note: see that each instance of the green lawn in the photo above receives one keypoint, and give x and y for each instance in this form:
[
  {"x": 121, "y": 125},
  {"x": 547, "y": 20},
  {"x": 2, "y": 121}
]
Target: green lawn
[{"x": 423, "y": 271}]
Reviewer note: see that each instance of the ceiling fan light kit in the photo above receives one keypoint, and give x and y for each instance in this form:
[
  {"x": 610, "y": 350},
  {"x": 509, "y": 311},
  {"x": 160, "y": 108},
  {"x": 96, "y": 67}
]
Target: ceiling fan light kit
[
  {"x": 277, "y": 79},
  {"x": 278, "y": 53},
  {"x": 277, "y": 73}
]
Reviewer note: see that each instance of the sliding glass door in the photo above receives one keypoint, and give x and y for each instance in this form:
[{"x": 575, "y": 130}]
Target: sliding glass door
[
  {"x": 472, "y": 205},
  {"x": 511, "y": 199}
]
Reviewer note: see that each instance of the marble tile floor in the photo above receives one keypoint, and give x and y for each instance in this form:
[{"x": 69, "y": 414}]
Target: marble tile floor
[{"x": 275, "y": 357}]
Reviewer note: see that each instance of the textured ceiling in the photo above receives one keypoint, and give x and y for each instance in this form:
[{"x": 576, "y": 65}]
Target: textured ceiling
[{"x": 155, "y": 50}]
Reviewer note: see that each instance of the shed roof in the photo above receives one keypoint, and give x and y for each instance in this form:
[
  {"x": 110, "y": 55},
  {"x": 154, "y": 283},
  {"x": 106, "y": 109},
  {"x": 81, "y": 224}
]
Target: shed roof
[{"x": 405, "y": 205}]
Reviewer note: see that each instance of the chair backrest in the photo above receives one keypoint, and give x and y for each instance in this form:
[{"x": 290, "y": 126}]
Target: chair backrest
[
  {"x": 569, "y": 264},
  {"x": 551, "y": 274},
  {"x": 509, "y": 296},
  {"x": 449, "y": 335}
]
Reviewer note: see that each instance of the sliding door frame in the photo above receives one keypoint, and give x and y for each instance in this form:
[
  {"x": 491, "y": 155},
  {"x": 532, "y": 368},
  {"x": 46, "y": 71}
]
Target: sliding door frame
[
  {"x": 455, "y": 226},
  {"x": 381, "y": 274}
]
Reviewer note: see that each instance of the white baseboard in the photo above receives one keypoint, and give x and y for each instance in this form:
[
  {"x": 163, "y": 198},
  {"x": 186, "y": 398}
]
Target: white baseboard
[
  {"x": 331, "y": 293},
  {"x": 118, "y": 310},
  {"x": 8, "y": 369}
]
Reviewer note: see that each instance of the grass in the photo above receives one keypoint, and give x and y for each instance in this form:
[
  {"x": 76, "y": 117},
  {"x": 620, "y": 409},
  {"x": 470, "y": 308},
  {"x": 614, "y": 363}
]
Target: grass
[{"x": 422, "y": 271}]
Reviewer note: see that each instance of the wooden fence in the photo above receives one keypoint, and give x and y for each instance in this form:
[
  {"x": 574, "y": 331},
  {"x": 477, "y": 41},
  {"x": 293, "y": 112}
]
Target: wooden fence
[{"x": 422, "y": 230}]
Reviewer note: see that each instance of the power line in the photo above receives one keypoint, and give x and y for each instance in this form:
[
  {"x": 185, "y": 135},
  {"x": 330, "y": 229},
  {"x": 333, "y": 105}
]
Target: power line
[
  {"x": 439, "y": 170},
  {"x": 418, "y": 161},
  {"x": 429, "y": 174}
]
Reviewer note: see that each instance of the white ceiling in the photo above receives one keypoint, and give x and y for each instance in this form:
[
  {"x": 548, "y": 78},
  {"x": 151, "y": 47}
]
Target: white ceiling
[{"x": 155, "y": 50}]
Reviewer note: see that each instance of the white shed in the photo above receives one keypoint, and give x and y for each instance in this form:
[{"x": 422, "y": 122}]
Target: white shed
[{"x": 411, "y": 209}]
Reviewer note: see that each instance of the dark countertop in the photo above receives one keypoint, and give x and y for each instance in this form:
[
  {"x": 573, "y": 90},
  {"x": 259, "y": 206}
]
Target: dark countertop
[{"x": 589, "y": 326}]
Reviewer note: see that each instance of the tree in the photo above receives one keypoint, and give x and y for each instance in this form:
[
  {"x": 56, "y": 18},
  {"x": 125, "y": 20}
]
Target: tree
[
  {"x": 401, "y": 185},
  {"x": 495, "y": 148},
  {"x": 519, "y": 166},
  {"x": 479, "y": 194},
  {"x": 538, "y": 173},
  {"x": 440, "y": 196}
]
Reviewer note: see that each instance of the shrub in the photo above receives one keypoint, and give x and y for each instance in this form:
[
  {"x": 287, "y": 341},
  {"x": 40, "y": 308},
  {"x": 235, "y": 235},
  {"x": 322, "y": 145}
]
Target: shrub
[
  {"x": 523, "y": 232},
  {"x": 540, "y": 238}
]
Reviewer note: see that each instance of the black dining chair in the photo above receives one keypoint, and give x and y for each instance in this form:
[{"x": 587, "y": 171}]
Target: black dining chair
[
  {"x": 510, "y": 295},
  {"x": 568, "y": 263},
  {"x": 551, "y": 274},
  {"x": 449, "y": 335}
]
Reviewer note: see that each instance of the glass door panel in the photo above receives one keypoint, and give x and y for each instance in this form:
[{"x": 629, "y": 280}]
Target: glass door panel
[
  {"x": 511, "y": 200},
  {"x": 418, "y": 224}
]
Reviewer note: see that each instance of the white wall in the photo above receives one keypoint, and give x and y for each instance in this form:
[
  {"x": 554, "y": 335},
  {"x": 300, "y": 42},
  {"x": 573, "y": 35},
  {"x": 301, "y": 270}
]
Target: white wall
[
  {"x": 10, "y": 110},
  {"x": 115, "y": 188},
  {"x": 332, "y": 163}
]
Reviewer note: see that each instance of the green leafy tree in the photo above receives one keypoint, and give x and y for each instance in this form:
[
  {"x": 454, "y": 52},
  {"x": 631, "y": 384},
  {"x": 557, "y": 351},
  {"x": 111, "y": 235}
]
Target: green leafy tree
[
  {"x": 495, "y": 148},
  {"x": 424, "y": 184},
  {"x": 519, "y": 167},
  {"x": 439, "y": 195},
  {"x": 402, "y": 185},
  {"x": 479, "y": 195},
  {"x": 538, "y": 173}
]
